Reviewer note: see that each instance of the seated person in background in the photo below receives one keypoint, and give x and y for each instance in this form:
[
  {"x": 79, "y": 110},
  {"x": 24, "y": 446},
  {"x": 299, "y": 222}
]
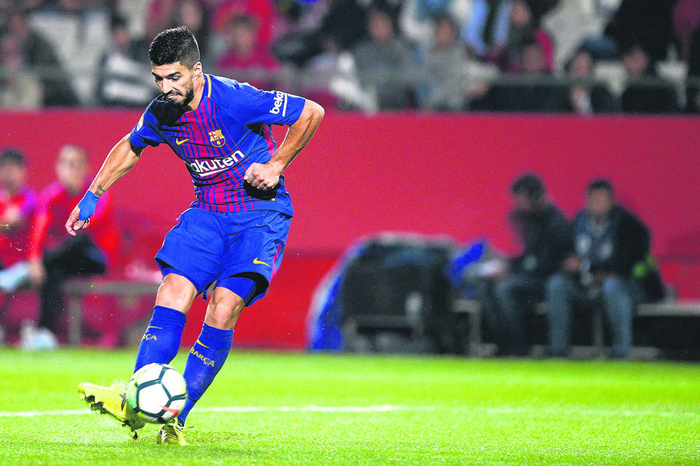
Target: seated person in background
[
  {"x": 122, "y": 81},
  {"x": 384, "y": 61},
  {"x": 535, "y": 91},
  {"x": 20, "y": 86},
  {"x": 38, "y": 52},
  {"x": 245, "y": 56},
  {"x": 586, "y": 96},
  {"x": 55, "y": 256},
  {"x": 692, "y": 88},
  {"x": 417, "y": 18},
  {"x": 648, "y": 23},
  {"x": 508, "y": 296},
  {"x": 646, "y": 92},
  {"x": 443, "y": 69},
  {"x": 17, "y": 207},
  {"x": 525, "y": 27},
  {"x": 486, "y": 32},
  {"x": 195, "y": 14},
  {"x": 612, "y": 269}
]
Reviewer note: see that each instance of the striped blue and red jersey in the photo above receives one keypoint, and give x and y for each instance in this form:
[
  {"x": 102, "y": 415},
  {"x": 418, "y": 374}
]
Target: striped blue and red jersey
[{"x": 228, "y": 131}]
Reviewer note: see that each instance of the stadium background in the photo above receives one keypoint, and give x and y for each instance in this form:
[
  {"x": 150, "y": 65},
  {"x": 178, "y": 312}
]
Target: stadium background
[{"x": 435, "y": 174}]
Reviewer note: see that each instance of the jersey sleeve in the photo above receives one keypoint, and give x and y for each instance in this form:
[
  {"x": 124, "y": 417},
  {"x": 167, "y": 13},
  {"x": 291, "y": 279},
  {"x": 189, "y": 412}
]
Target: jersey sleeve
[
  {"x": 252, "y": 105},
  {"x": 144, "y": 133}
]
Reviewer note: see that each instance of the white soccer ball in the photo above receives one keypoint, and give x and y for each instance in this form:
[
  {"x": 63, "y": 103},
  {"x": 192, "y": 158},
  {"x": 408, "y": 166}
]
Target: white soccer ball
[{"x": 156, "y": 393}]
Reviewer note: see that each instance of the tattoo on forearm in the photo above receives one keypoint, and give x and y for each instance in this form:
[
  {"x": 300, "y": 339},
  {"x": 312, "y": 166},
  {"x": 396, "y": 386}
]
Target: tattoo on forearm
[{"x": 100, "y": 191}]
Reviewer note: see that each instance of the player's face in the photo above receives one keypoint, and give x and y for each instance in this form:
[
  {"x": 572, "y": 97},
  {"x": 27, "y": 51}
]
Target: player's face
[{"x": 176, "y": 82}]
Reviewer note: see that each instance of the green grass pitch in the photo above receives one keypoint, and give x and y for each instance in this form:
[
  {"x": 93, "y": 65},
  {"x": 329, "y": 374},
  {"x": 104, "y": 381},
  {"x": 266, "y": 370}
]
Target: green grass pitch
[{"x": 316, "y": 409}]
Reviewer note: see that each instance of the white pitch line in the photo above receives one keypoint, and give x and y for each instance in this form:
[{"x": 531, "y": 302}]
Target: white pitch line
[
  {"x": 377, "y": 409},
  {"x": 67, "y": 412},
  {"x": 244, "y": 409},
  {"x": 316, "y": 409}
]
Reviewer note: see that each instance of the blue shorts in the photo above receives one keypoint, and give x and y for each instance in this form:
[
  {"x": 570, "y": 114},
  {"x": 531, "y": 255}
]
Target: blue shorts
[{"x": 207, "y": 247}]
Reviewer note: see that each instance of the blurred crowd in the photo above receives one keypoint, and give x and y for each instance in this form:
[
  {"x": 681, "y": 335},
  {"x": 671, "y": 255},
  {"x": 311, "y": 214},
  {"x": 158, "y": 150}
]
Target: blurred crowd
[{"x": 564, "y": 56}]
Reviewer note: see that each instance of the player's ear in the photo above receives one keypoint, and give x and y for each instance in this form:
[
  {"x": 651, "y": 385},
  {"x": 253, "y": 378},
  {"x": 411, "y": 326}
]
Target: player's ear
[{"x": 197, "y": 70}]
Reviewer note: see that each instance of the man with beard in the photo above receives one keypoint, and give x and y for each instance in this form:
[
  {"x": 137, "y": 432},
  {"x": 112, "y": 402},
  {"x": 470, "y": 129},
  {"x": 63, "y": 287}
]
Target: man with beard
[{"x": 235, "y": 230}]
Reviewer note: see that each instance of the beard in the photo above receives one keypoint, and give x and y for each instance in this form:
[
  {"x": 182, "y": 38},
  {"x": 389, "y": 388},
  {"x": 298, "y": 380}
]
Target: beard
[{"x": 186, "y": 99}]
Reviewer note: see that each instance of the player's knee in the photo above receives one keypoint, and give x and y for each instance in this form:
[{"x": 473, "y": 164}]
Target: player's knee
[
  {"x": 224, "y": 310},
  {"x": 176, "y": 292}
]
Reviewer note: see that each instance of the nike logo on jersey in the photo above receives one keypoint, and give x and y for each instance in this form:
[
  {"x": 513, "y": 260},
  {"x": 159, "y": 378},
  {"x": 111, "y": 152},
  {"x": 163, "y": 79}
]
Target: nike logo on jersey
[
  {"x": 259, "y": 262},
  {"x": 180, "y": 142}
]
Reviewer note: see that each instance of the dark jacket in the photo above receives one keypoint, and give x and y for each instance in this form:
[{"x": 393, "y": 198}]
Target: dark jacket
[
  {"x": 625, "y": 242},
  {"x": 547, "y": 239}
]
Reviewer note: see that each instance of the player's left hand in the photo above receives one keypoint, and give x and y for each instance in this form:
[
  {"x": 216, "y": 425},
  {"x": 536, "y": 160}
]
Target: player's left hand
[
  {"x": 262, "y": 176},
  {"x": 74, "y": 224}
]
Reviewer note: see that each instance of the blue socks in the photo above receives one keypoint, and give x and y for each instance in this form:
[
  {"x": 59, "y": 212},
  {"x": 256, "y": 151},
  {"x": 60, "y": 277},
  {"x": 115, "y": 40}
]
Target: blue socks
[
  {"x": 161, "y": 341},
  {"x": 206, "y": 358}
]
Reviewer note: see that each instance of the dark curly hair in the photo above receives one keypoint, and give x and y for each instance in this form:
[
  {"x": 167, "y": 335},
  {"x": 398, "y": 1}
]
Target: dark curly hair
[
  {"x": 174, "y": 45},
  {"x": 530, "y": 185},
  {"x": 13, "y": 156}
]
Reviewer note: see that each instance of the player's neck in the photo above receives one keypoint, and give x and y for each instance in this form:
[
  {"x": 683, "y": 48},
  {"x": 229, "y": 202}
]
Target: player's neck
[{"x": 198, "y": 93}]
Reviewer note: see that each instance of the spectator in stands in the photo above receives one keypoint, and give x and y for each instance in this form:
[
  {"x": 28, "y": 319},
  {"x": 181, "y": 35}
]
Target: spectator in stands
[
  {"x": 263, "y": 11},
  {"x": 41, "y": 55},
  {"x": 508, "y": 295},
  {"x": 486, "y": 32},
  {"x": 384, "y": 63},
  {"x": 612, "y": 269},
  {"x": 246, "y": 58},
  {"x": 645, "y": 91},
  {"x": 54, "y": 256},
  {"x": 587, "y": 96},
  {"x": 122, "y": 80},
  {"x": 524, "y": 28},
  {"x": 417, "y": 19},
  {"x": 342, "y": 22},
  {"x": 17, "y": 208},
  {"x": 534, "y": 91},
  {"x": 79, "y": 33},
  {"x": 693, "y": 78},
  {"x": 20, "y": 87},
  {"x": 686, "y": 19},
  {"x": 443, "y": 69},
  {"x": 647, "y": 23},
  {"x": 164, "y": 14}
]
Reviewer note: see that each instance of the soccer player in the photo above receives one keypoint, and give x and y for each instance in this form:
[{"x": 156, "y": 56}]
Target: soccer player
[{"x": 234, "y": 233}]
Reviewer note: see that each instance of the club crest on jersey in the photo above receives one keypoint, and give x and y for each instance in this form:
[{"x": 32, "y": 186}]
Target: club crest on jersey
[{"x": 216, "y": 138}]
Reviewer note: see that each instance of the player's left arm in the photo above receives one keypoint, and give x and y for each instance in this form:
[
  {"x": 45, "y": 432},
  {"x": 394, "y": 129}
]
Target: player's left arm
[
  {"x": 120, "y": 160},
  {"x": 266, "y": 176}
]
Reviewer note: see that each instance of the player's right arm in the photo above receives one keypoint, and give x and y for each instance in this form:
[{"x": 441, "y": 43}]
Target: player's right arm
[{"x": 120, "y": 160}]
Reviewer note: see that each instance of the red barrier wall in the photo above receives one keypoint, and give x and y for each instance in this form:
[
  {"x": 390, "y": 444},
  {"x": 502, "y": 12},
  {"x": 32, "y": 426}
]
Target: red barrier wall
[{"x": 426, "y": 173}]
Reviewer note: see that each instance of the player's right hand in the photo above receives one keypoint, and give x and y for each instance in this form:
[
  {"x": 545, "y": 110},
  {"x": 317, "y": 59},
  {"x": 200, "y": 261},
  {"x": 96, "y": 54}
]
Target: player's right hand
[{"x": 74, "y": 224}]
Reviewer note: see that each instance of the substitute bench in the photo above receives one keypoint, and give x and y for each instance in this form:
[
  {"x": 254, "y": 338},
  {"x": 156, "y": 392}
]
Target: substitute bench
[
  {"x": 675, "y": 308},
  {"x": 76, "y": 290}
]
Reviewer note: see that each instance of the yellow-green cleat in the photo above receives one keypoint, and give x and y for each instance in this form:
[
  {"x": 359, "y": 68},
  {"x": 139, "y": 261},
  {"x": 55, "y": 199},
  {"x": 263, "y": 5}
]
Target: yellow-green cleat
[
  {"x": 172, "y": 433},
  {"x": 112, "y": 401}
]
